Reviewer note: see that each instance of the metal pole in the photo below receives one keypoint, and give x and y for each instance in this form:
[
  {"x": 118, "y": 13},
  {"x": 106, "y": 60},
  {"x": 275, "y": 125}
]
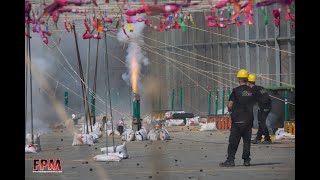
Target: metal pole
[
  {"x": 105, "y": 82},
  {"x": 92, "y": 101},
  {"x": 180, "y": 98},
  {"x": 286, "y": 106},
  {"x": 172, "y": 100},
  {"x": 26, "y": 85},
  {"x": 223, "y": 90},
  {"x": 107, "y": 63},
  {"x": 87, "y": 79},
  {"x": 217, "y": 96},
  {"x": 95, "y": 85},
  {"x": 30, "y": 76},
  {"x": 209, "y": 103},
  {"x": 81, "y": 77},
  {"x": 277, "y": 54}
]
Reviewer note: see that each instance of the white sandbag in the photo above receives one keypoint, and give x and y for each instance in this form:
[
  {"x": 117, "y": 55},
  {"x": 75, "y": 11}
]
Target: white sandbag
[
  {"x": 141, "y": 135},
  {"x": 279, "y": 137},
  {"x": 95, "y": 137},
  {"x": 32, "y": 148},
  {"x": 121, "y": 149},
  {"x": 283, "y": 135},
  {"x": 154, "y": 135},
  {"x": 279, "y": 131},
  {"x": 36, "y": 139},
  {"x": 208, "y": 126},
  {"x": 128, "y": 135},
  {"x": 192, "y": 121},
  {"x": 97, "y": 132},
  {"x": 96, "y": 126},
  {"x": 164, "y": 134},
  {"x": 105, "y": 157},
  {"x": 175, "y": 122},
  {"x": 81, "y": 139},
  {"x": 146, "y": 129},
  {"x": 122, "y": 155}
]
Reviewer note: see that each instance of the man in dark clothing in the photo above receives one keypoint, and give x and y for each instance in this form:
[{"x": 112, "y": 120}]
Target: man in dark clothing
[
  {"x": 240, "y": 105},
  {"x": 264, "y": 108}
]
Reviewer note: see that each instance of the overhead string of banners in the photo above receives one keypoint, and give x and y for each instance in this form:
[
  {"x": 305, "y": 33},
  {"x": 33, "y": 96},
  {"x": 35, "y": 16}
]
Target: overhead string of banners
[{"x": 171, "y": 15}]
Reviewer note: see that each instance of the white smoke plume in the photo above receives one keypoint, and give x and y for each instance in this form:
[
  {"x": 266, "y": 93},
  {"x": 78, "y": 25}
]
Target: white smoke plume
[{"x": 133, "y": 50}]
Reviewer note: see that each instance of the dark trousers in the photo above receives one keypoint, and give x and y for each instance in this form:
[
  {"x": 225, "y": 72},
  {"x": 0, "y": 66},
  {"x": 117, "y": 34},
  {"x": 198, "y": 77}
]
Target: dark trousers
[
  {"x": 263, "y": 129},
  {"x": 237, "y": 131}
]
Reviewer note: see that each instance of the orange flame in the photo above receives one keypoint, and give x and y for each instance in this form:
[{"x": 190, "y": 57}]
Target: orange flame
[{"x": 134, "y": 74}]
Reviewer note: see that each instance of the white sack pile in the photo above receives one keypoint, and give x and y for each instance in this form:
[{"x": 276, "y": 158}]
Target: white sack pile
[
  {"x": 158, "y": 134},
  {"x": 175, "y": 122},
  {"x": 128, "y": 135},
  {"x": 82, "y": 139},
  {"x": 120, "y": 150},
  {"x": 32, "y": 148},
  {"x": 208, "y": 126},
  {"x": 106, "y": 158},
  {"x": 35, "y": 147},
  {"x": 280, "y": 134},
  {"x": 141, "y": 135},
  {"x": 192, "y": 121}
]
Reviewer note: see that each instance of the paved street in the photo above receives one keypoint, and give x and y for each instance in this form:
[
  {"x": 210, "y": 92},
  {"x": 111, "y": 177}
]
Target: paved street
[{"x": 189, "y": 155}]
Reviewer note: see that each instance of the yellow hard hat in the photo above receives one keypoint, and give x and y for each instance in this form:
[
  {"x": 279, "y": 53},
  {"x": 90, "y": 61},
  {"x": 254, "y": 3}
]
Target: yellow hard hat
[
  {"x": 243, "y": 73},
  {"x": 252, "y": 78}
]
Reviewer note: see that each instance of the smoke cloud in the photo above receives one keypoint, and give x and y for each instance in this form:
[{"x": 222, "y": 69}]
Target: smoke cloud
[{"x": 136, "y": 57}]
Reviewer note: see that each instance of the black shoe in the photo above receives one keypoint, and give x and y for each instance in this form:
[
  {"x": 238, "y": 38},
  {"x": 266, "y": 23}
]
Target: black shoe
[
  {"x": 227, "y": 164},
  {"x": 267, "y": 141},
  {"x": 246, "y": 163},
  {"x": 256, "y": 141}
]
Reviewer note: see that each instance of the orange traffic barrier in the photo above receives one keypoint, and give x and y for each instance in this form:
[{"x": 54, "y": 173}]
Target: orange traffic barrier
[
  {"x": 286, "y": 126},
  {"x": 219, "y": 123},
  {"x": 214, "y": 119},
  {"x": 222, "y": 122},
  {"x": 293, "y": 128},
  {"x": 227, "y": 122},
  {"x": 290, "y": 128}
]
